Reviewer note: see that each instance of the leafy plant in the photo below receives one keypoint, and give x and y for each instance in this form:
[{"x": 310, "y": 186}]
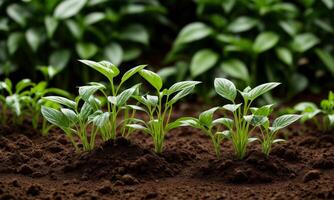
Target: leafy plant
[
  {"x": 117, "y": 100},
  {"x": 246, "y": 118},
  {"x": 76, "y": 119},
  {"x": 211, "y": 127},
  {"x": 159, "y": 108},
  {"x": 65, "y": 29},
  {"x": 14, "y": 99},
  {"x": 257, "y": 41},
  {"x": 25, "y": 101},
  {"x": 309, "y": 111}
]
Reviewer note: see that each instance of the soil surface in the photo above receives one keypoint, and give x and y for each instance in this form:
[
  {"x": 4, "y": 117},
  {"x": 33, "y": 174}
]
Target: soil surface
[{"x": 37, "y": 167}]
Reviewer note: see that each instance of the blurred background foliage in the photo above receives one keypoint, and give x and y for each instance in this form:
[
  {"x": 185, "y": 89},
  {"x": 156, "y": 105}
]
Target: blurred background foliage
[{"x": 249, "y": 41}]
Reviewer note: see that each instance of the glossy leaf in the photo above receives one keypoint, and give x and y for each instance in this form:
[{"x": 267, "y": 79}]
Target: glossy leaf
[
  {"x": 202, "y": 61},
  {"x": 151, "y": 77},
  {"x": 68, "y": 8},
  {"x": 192, "y": 32},
  {"x": 225, "y": 88},
  {"x": 265, "y": 41}
]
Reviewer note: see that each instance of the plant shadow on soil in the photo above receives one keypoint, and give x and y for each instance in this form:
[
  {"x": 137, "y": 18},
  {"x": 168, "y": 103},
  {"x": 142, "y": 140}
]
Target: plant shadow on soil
[{"x": 32, "y": 166}]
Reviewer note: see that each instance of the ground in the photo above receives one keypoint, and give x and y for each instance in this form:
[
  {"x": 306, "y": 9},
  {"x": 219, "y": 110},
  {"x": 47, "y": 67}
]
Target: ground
[{"x": 37, "y": 167}]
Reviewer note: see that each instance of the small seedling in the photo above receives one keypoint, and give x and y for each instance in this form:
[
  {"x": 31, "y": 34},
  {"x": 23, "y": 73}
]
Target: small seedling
[
  {"x": 14, "y": 99},
  {"x": 81, "y": 118},
  {"x": 117, "y": 101},
  {"x": 309, "y": 111},
  {"x": 159, "y": 108},
  {"x": 246, "y": 118},
  {"x": 211, "y": 127}
]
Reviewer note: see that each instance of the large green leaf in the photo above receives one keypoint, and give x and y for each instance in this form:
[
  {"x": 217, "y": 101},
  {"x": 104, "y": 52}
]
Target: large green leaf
[
  {"x": 232, "y": 107},
  {"x": 61, "y": 100},
  {"x": 123, "y": 97},
  {"x": 18, "y": 13},
  {"x": 327, "y": 59},
  {"x": 51, "y": 25},
  {"x": 181, "y": 94},
  {"x": 132, "y": 72},
  {"x": 202, "y": 61},
  {"x": 206, "y": 117},
  {"x": 68, "y": 8},
  {"x": 70, "y": 115},
  {"x": 284, "y": 121},
  {"x": 87, "y": 91},
  {"x": 181, "y": 86},
  {"x": 14, "y": 41},
  {"x": 225, "y": 88},
  {"x": 101, "y": 120},
  {"x": 55, "y": 117},
  {"x": 192, "y": 32},
  {"x": 114, "y": 53},
  {"x": 304, "y": 42},
  {"x": 261, "y": 89},
  {"x": 265, "y": 41},
  {"x": 235, "y": 68},
  {"x": 285, "y": 55},
  {"x": 225, "y": 121},
  {"x": 135, "y": 33},
  {"x": 86, "y": 50},
  {"x": 33, "y": 37},
  {"x": 106, "y": 70},
  {"x": 14, "y": 104},
  {"x": 153, "y": 78},
  {"x": 241, "y": 24},
  {"x": 21, "y": 85}
]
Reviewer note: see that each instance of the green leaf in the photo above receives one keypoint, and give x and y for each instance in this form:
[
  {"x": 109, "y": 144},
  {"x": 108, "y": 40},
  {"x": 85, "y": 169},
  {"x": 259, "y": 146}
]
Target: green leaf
[
  {"x": 202, "y": 61},
  {"x": 232, "y": 107},
  {"x": 225, "y": 88},
  {"x": 114, "y": 53},
  {"x": 153, "y": 78},
  {"x": 18, "y": 13},
  {"x": 87, "y": 91},
  {"x": 131, "y": 53},
  {"x": 22, "y": 85},
  {"x": 107, "y": 70},
  {"x": 284, "y": 121},
  {"x": 181, "y": 86},
  {"x": 61, "y": 100},
  {"x": 327, "y": 59},
  {"x": 86, "y": 110},
  {"x": 94, "y": 17},
  {"x": 59, "y": 59},
  {"x": 51, "y": 25},
  {"x": 7, "y": 85},
  {"x": 14, "y": 41},
  {"x": 225, "y": 121},
  {"x": 291, "y": 27},
  {"x": 329, "y": 3},
  {"x": 256, "y": 120},
  {"x": 235, "y": 68},
  {"x": 304, "y": 42},
  {"x": 181, "y": 94},
  {"x": 55, "y": 117},
  {"x": 206, "y": 117},
  {"x": 135, "y": 33},
  {"x": 263, "y": 111},
  {"x": 123, "y": 97},
  {"x": 285, "y": 55},
  {"x": 192, "y": 32},
  {"x": 13, "y": 103},
  {"x": 33, "y": 37},
  {"x": 278, "y": 140},
  {"x": 265, "y": 41},
  {"x": 192, "y": 122},
  {"x": 242, "y": 24},
  {"x": 137, "y": 127},
  {"x": 101, "y": 120},
  {"x": 261, "y": 89},
  {"x": 68, "y": 8},
  {"x": 70, "y": 115},
  {"x": 132, "y": 72},
  {"x": 86, "y": 50},
  {"x": 330, "y": 119}
]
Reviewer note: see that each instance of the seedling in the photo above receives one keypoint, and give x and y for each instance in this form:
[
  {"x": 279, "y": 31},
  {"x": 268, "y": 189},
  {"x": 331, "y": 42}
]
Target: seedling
[
  {"x": 244, "y": 116},
  {"x": 211, "y": 127},
  {"x": 14, "y": 99},
  {"x": 159, "y": 108},
  {"x": 76, "y": 120},
  {"x": 309, "y": 111},
  {"x": 117, "y": 101}
]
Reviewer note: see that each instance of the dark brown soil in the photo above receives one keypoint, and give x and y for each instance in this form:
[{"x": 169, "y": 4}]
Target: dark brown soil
[{"x": 36, "y": 167}]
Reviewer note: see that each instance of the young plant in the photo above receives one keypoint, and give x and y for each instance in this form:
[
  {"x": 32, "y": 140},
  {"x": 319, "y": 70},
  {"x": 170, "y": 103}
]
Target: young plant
[
  {"x": 260, "y": 119},
  {"x": 81, "y": 118},
  {"x": 243, "y": 121},
  {"x": 211, "y": 127},
  {"x": 159, "y": 108},
  {"x": 309, "y": 111},
  {"x": 117, "y": 101},
  {"x": 14, "y": 99}
]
